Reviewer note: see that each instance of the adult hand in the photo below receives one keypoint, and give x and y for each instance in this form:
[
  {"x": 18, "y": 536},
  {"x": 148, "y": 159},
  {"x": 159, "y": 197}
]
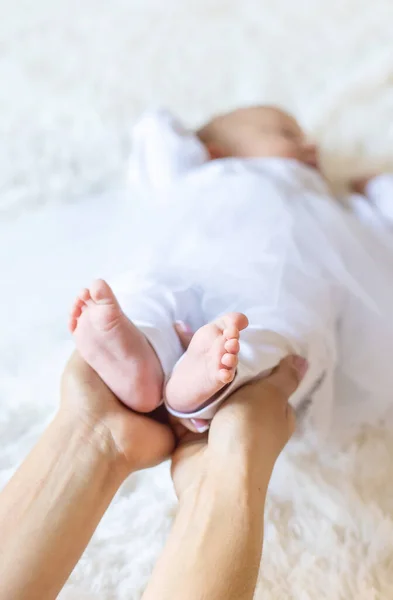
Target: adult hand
[
  {"x": 256, "y": 415},
  {"x": 136, "y": 441},
  {"x": 221, "y": 479}
]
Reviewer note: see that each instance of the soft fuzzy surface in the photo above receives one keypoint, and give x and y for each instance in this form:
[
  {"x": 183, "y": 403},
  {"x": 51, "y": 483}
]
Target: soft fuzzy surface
[{"x": 74, "y": 75}]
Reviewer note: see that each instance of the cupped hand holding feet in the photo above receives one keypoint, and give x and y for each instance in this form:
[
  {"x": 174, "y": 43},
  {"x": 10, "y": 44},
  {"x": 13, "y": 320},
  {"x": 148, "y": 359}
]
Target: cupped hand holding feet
[
  {"x": 137, "y": 442},
  {"x": 55, "y": 500},
  {"x": 221, "y": 479},
  {"x": 256, "y": 415}
]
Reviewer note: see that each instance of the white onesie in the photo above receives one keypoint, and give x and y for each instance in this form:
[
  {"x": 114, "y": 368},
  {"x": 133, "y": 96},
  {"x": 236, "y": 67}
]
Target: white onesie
[{"x": 260, "y": 236}]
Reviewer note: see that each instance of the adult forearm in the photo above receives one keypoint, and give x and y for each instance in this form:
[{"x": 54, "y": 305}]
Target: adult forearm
[
  {"x": 215, "y": 547},
  {"x": 51, "y": 507}
]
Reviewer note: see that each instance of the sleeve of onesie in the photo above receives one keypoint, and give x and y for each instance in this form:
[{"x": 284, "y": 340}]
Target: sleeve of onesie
[
  {"x": 375, "y": 208},
  {"x": 163, "y": 150},
  {"x": 379, "y": 191}
]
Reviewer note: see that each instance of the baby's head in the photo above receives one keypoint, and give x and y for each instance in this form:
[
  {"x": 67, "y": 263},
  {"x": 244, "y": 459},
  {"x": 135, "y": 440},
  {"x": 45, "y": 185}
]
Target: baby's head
[{"x": 259, "y": 131}]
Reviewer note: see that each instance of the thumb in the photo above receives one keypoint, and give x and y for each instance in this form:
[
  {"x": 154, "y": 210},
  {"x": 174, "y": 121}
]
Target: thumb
[
  {"x": 287, "y": 376},
  {"x": 285, "y": 379},
  {"x": 184, "y": 333}
]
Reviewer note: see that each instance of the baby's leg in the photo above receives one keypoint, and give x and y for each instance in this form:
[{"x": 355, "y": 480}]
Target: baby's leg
[
  {"x": 301, "y": 321},
  {"x": 132, "y": 357}
]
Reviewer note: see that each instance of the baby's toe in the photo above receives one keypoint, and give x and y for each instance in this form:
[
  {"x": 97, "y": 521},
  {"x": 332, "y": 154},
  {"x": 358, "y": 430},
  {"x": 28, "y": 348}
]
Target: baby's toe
[
  {"x": 102, "y": 293},
  {"x": 232, "y": 346},
  {"x": 76, "y": 310},
  {"x": 240, "y": 321},
  {"x": 75, "y": 313},
  {"x": 72, "y": 323},
  {"x": 237, "y": 320},
  {"x": 232, "y": 323},
  {"x": 225, "y": 375},
  {"x": 229, "y": 360},
  {"x": 84, "y": 295},
  {"x": 231, "y": 333}
]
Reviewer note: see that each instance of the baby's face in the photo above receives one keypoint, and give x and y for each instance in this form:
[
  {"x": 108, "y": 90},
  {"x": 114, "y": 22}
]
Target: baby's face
[{"x": 265, "y": 131}]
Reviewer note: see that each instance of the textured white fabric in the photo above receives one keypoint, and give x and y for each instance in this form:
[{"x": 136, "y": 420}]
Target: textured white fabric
[{"x": 74, "y": 76}]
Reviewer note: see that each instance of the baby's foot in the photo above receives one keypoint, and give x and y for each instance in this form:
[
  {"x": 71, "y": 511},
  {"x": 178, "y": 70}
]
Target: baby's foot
[
  {"x": 208, "y": 365},
  {"x": 116, "y": 349}
]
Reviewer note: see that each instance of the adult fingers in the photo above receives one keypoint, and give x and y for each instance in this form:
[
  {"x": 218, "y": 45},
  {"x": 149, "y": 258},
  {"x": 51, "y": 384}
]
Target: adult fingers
[{"x": 287, "y": 376}]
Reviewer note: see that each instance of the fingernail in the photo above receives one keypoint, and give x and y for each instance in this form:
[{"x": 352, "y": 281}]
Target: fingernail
[
  {"x": 200, "y": 425},
  {"x": 184, "y": 327},
  {"x": 301, "y": 365}
]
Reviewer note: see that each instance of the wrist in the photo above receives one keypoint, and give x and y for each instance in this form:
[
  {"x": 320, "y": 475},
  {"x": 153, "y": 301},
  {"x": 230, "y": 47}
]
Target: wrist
[
  {"x": 219, "y": 528},
  {"x": 239, "y": 480},
  {"x": 244, "y": 476},
  {"x": 246, "y": 452},
  {"x": 93, "y": 440}
]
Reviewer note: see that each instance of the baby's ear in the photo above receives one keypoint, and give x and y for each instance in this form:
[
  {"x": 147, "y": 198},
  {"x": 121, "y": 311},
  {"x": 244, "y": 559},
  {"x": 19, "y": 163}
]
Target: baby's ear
[{"x": 215, "y": 151}]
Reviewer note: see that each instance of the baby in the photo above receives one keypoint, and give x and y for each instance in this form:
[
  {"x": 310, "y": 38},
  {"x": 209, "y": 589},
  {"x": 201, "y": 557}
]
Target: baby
[{"x": 247, "y": 242}]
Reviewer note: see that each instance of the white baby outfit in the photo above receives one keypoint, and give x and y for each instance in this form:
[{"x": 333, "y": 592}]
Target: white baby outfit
[{"x": 260, "y": 236}]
